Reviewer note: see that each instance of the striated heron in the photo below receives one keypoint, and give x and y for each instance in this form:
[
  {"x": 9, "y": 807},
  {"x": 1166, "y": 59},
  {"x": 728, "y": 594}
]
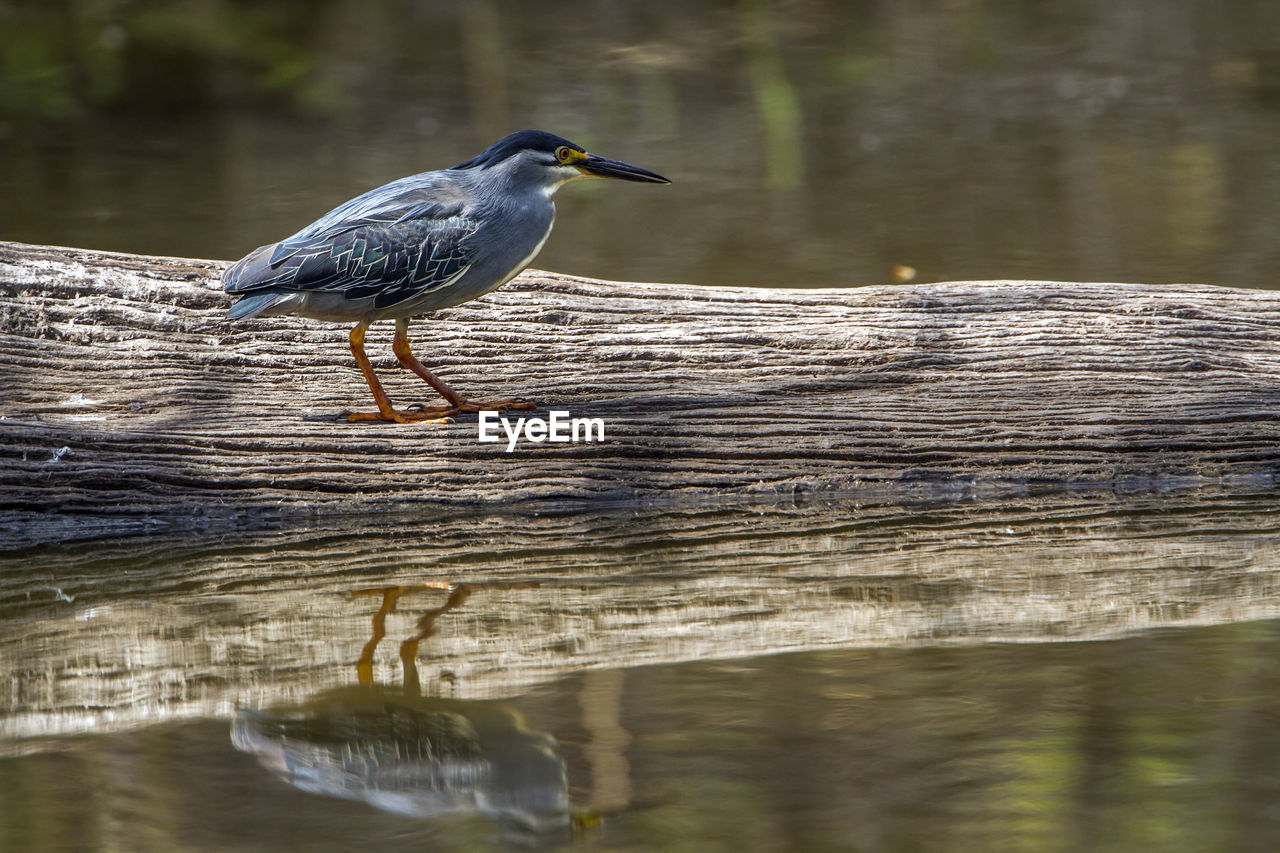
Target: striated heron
[{"x": 419, "y": 244}]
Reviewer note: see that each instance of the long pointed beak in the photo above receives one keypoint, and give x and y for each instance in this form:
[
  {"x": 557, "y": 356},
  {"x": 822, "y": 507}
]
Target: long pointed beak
[{"x": 606, "y": 168}]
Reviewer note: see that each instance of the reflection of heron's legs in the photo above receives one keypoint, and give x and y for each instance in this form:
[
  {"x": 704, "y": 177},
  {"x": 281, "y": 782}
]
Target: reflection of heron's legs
[
  {"x": 426, "y": 627},
  {"x": 390, "y": 595},
  {"x": 458, "y": 594}
]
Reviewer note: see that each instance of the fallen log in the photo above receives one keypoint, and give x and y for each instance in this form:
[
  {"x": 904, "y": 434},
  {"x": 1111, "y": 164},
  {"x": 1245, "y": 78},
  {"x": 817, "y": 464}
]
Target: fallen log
[{"x": 128, "y": 401}]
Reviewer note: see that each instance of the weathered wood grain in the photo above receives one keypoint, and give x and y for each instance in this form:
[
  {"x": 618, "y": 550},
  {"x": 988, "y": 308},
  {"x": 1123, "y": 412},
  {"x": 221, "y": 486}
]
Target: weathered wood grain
[{"x": 128, "y": 401}]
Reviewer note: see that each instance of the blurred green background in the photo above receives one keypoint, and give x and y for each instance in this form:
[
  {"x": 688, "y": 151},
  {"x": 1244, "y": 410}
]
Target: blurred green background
[{"x": 812, "y": 142}]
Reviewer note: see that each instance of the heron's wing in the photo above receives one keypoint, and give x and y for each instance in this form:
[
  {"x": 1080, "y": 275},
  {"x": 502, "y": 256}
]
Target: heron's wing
[{"x": 391, "y": 254}]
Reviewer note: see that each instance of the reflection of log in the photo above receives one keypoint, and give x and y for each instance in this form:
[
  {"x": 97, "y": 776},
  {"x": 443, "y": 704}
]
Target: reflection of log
[
  {"x": 127, "y": 396},
  {"x": 159, "y": 627}
]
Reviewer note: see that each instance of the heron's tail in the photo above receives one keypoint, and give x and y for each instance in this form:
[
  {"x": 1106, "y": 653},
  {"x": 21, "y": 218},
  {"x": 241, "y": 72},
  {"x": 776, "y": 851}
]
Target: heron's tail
[{"x": 253, "y": 304}]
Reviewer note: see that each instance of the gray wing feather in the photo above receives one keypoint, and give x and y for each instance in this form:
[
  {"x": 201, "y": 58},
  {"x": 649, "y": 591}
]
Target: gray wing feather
[{"x": 392, "y": 255}]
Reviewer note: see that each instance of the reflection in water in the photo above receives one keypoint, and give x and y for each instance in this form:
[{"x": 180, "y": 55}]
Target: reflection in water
[
  {"x": 405, "y": 753},
  {"x": 276, "y": 621},
  {"x": 925, "y": 692},
  {"x": 414, "y": 755},
  {"x": 1168, "y": 742},
  {"x": 458, "y": 595}
]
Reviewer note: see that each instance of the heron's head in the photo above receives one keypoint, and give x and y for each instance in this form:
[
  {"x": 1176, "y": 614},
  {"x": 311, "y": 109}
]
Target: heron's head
[{"x": 547, "y": 161}]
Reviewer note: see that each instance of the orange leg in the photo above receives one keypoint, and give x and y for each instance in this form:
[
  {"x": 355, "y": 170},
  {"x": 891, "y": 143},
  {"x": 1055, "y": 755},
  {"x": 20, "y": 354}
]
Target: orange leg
[
  {"x": 457, "y": 403},
  {"x": 385, "y": 411}
]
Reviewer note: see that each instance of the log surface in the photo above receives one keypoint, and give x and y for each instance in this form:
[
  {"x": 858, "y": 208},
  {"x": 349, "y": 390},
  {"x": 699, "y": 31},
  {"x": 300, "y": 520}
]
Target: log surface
[{"x": 128, "y": 401}]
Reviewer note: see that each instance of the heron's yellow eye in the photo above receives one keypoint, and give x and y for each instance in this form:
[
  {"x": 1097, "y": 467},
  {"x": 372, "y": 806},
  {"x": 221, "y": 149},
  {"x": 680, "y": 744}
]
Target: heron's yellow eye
[{"x": 564, "y": 154}]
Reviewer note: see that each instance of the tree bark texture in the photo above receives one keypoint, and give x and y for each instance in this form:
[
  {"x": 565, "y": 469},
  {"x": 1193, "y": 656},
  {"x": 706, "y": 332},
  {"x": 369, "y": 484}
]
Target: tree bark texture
[{"x": 129, "y": 402}]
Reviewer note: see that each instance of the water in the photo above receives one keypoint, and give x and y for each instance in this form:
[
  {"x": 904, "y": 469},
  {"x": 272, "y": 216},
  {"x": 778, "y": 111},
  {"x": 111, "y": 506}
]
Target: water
[
  {"x": 1064, "y": 672},
  {"x": 1164, "y": 742},
  {"x": 811, "y": 143}
]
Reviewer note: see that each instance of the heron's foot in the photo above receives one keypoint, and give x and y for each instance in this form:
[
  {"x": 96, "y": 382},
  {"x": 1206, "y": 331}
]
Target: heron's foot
[{"x": 425, "y": 416}]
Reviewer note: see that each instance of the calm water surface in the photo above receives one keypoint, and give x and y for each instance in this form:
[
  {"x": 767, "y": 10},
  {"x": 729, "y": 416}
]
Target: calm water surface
[
  {"x": 811, "y": 142},
  {"x": 1064, "y": 673},
  {"x": 1058, "y": 673}
]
